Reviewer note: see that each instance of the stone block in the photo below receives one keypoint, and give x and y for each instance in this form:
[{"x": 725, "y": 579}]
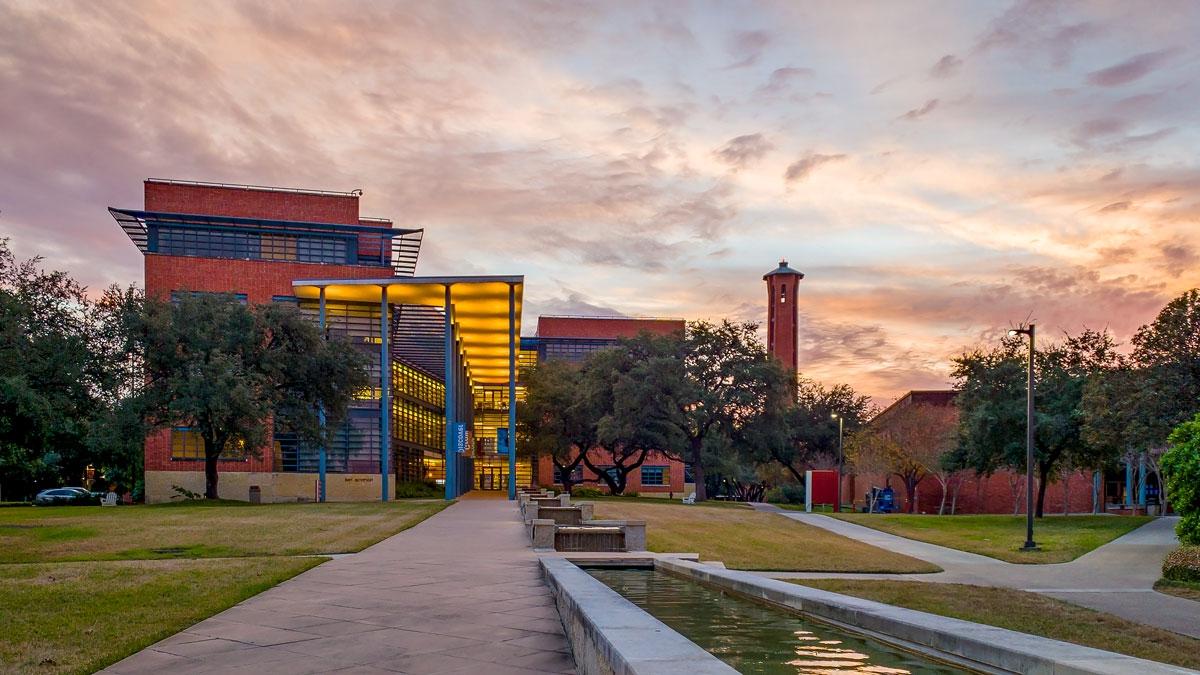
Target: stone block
[{"x": 542, "y": 533}]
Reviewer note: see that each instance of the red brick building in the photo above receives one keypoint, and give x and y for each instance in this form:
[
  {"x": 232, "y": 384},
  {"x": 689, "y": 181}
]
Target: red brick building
[
  {"x": 573, "y": 338},
  {"x": 966, "y": 492},
  {"x": 253, "y": 242}
]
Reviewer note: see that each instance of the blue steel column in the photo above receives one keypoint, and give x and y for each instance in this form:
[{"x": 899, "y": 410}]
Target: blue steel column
[
  {"x": 451, "y": 486},
  {"x": 385, "y": 402},
  {"x": 512, "y": 392},
  {"x": 1142, "y": 480},
  {"x": 321, "y": 411}
]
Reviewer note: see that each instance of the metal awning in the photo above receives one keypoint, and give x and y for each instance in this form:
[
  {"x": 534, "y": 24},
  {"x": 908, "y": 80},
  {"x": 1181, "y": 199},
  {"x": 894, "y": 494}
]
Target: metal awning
[
  {"x": 479, "y": 309},
  {"x": 405, "y": 244}
]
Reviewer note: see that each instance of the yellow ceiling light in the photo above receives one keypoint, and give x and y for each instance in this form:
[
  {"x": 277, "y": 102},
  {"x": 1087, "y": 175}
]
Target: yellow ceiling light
[{"x": 480, "y": 311}]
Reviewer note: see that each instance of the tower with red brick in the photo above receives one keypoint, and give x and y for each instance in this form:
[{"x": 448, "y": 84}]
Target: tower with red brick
[{"x": 783, "y": 283}]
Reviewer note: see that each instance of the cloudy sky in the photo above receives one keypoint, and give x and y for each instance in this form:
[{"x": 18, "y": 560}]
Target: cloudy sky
[{"x": 938, "y": 170}]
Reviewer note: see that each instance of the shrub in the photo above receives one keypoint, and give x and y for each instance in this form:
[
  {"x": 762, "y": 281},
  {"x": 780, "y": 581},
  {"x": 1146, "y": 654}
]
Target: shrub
[
  {"x": 788, "y": 493},
  {"x": 586, "y": 492},
  {"x": 1183, "y": 564},
  {"x": 1181, "y": 469},
  {"x": 419, "y": 490}
]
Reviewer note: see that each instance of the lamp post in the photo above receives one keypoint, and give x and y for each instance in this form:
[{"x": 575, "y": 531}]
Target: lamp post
[
  {"x": 1030, "y": 423},
  {"x": 841, "y": 460}
]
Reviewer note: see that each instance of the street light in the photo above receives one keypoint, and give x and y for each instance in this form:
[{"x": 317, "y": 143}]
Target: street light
[
  {"x": 1029, "y": 433},
  {"x": 841, "y": 459}
]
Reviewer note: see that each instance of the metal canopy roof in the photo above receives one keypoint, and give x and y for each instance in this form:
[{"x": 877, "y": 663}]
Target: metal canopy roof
[
  {"x": 479, "y": 306},
  {"x": 405, "y": 243}
]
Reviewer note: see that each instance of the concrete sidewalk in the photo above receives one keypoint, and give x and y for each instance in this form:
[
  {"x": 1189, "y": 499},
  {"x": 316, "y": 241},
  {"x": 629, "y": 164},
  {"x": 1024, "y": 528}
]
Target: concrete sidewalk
[
  {"x": 1117, "y": 577},
  {"x": 460, "y": 593}
]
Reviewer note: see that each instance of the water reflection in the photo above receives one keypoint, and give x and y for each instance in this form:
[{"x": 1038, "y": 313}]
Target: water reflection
[{"x": 754, "y": 638}]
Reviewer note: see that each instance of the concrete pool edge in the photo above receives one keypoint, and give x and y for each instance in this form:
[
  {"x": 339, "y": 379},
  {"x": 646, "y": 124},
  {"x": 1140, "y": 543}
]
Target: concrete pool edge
[
  {"x": 610, "y": 635},
  {"x": 977, "y": 645}
]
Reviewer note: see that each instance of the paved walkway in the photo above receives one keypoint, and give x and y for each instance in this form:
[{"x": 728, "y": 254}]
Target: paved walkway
[
  {"x": 460, "y": 593},
  {"x": 1117, "y": 578}
]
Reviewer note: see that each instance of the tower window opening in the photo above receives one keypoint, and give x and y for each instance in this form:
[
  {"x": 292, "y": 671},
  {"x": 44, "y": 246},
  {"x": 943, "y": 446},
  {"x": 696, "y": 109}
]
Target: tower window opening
[{"x": 783, "y": 293}]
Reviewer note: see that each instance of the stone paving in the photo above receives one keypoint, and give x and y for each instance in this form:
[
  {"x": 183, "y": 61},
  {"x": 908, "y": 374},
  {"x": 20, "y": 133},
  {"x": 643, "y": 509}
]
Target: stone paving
[
  {"x": 461, "y": 592},
  {"x": 1117, "y": 577}
]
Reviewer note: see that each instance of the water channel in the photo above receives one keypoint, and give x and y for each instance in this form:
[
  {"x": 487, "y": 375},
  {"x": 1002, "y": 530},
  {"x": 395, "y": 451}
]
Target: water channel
[{"x": 755, "y": 638}]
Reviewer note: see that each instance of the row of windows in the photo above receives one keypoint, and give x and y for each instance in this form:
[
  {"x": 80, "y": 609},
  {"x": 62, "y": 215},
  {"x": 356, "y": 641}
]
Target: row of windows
[
  {"x": 650, "y": 475},
  {"x": 189, "y": 444},
  {"x": 353, "y": 448},
  {"x": 251, "y": 245},
  {"x": 412, "y": 383},
  {"x": 413, "y": 424},
  {"x": 573, "y": 350}
]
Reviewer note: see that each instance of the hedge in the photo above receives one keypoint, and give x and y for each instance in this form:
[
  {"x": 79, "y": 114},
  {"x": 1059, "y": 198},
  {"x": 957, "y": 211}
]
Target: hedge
[{"x": 1183, "y": 564}]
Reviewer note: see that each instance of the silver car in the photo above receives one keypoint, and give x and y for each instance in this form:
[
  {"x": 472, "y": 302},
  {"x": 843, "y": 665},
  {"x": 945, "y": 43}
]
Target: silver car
[{"x": 66, "y": 495}]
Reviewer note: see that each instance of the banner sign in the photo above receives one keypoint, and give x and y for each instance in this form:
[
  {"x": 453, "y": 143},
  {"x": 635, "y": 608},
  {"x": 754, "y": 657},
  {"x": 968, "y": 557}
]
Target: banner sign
[
  {"x": 502, "y": 440},
  {"x": 460, "y": 437}
]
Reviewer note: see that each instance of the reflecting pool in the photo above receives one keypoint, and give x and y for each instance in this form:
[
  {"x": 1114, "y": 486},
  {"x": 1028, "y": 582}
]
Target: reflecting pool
[{"x": 756, "y": 638}]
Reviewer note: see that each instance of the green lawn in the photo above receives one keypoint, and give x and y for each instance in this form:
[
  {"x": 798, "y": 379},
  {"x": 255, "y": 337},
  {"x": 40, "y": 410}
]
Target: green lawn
[
  {"x": 743, "y": 538},
  {"x": 1059, "y": 538},
  {"x": 1027, "y": 613},
  {"x": 201, "y": 530},
  {"x": 79, "y": 617},
  {"x": 84, "y": 586}
]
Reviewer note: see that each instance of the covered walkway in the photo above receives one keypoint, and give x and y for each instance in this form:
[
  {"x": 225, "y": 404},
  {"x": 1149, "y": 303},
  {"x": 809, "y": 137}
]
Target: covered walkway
[{"x": 460, "y": 592}]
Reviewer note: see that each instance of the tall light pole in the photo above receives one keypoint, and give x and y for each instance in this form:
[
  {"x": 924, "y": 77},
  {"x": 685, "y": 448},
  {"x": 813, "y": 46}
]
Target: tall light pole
[
  {"x": 1029, "y": 434},
  {"x": 841, "y": 459}
]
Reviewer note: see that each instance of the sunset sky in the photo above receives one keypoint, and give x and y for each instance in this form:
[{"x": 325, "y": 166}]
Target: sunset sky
[{"x": 938, "y": 170}]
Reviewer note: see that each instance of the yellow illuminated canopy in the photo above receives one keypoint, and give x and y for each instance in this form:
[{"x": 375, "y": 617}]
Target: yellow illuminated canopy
[{"x": 480, "y": 311}]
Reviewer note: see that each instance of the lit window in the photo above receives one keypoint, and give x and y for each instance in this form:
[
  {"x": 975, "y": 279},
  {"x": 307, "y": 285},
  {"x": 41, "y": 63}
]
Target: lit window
[{"x": 189, "y": 444}]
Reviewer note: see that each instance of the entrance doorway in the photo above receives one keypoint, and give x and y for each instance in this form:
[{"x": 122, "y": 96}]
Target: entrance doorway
[{"x": 491, "y": 478}]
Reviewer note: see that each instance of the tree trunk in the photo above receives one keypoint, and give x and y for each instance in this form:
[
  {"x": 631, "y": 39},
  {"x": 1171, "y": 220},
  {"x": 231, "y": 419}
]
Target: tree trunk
[
  {"x": 942, "y": 505},
  {"x": 210, "y": 476},
  {"x": 698, "y": 470},
  {"x": 1043, "y": 470},
  {"x": 1066, "y": 493},
  {"x": 910, "y": 489},
  {"x": 212, "y": 452},
  {"x": 954, "y": 498}
]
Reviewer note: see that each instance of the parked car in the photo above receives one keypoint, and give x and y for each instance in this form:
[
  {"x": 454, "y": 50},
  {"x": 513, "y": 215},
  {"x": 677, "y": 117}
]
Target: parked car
[{"x": 64, "y": 495}]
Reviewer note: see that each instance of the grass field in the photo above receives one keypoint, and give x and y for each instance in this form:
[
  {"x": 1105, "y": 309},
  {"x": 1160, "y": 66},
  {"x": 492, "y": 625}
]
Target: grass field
[
  {"x": 1027, "y": 613},
  {"x": 84, "y": 586},
  {"x": 200, "y": 530},
  {"x": 743, "y": 538},
  {"x": 1059, "y": 538},
  {"x": 81, "y": 616}
]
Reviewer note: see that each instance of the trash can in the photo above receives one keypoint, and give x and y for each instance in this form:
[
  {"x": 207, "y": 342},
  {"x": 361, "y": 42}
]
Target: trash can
[{"x": 255, "y": 494}]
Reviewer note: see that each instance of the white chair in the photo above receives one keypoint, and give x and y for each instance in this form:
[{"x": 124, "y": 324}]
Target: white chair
[
  {"x": 110, "y": 499},
  {"x": 690, "y": 499}
]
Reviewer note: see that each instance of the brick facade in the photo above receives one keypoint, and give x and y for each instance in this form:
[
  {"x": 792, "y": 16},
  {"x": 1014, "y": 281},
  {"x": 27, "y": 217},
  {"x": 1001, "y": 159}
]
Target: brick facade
[
  {"x": 604, "y": 328},
  {"x": 259, "y": 280},
  {"x": 979, "y": 494},
  {"x": 675, "y": 484},
  {"x": 251, "y": 202}
]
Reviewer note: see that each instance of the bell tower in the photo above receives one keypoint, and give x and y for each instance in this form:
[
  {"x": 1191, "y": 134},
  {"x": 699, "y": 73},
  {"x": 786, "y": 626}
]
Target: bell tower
[{"x": 783, "y": 283}]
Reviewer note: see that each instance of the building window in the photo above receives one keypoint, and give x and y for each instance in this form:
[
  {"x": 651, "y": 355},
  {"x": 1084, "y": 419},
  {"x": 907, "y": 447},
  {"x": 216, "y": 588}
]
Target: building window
[
  {"x": 189, "y": 444},
  {"x": 655, "y": 475},
  {"x": 176, "y": 296},
  {"x": 250, "y": 245},
  {"x": 286, "y": 299},
  {"x": 576, "y": 475},
  {"x": 689, "y": 475}
]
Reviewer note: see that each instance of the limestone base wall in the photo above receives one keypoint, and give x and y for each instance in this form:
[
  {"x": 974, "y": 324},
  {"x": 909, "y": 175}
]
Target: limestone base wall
[{"x": 274, "y": 487}]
